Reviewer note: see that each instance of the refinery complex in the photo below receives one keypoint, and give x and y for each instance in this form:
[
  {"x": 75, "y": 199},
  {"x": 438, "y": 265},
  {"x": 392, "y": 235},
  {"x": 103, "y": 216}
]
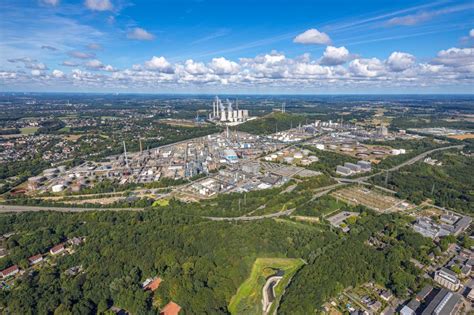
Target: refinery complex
[
  {"x": 230, "y": 160},
  {"x": 226, "y": 114}
]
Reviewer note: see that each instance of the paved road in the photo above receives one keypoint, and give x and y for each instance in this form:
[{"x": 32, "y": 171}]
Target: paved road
[
  {"x": 14, "y": 208},
  {"x": 252, "y": 218}
]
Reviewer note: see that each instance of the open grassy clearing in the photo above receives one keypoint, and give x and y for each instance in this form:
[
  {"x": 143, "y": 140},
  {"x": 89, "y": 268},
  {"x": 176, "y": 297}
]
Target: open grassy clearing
[
  {"x": 319, "y": 207},
  {"x": 28, "y": 130},
  {"x": 248, "y": 299},
  {"x": 161, "y": 203}
]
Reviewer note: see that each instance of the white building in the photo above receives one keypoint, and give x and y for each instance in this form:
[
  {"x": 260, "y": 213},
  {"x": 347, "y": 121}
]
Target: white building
[{"x": 447, "y": 279}]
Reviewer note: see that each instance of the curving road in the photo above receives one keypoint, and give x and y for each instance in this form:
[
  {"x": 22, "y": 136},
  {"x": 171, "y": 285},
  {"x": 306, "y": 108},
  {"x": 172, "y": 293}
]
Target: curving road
[{"x": 252, "y": 218}]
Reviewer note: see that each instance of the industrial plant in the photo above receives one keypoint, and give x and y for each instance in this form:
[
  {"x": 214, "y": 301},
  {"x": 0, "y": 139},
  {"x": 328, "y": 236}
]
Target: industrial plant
[{"x": 227, "y": 115}]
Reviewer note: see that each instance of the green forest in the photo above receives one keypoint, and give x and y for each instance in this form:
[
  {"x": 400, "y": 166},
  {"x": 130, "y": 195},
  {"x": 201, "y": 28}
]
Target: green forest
[
  {"x": 448, "y": 185},
  {"x": 196, "y": 258},
  {"x": 273, "y": 122}
]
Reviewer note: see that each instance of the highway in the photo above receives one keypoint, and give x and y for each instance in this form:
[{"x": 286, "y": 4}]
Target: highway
[{"x": 15, "y": 209}]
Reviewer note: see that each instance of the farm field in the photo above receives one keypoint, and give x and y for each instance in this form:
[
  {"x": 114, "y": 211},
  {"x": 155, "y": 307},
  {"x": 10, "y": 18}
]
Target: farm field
[{"x": 248, "y": 299}]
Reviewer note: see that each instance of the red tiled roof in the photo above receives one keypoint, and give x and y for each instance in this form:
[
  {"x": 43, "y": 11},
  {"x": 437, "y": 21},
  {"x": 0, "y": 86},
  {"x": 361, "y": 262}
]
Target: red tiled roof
[
  {"x": 57, "y": 248},
  {"x": 153, "y": 285},
  {"x": 9, "y": 270},
  {"x": 35, "y": 258},
  {"x": 170, "y": 309}
]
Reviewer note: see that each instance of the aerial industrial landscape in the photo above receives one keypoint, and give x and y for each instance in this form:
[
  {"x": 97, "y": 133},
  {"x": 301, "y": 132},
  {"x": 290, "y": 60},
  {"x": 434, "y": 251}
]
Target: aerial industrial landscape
[
  {"x": 237, "y": 157},
  {"x": 349, "y": 177}
]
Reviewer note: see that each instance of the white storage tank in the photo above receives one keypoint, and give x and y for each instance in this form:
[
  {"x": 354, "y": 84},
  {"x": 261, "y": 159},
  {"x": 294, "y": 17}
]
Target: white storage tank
[
  {"x": 57, "y": 188},
  {"x": 298, "y": 155}
]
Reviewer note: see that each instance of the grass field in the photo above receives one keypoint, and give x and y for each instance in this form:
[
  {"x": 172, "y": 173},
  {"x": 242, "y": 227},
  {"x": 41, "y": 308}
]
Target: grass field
[
  {"x": 319, "y": 207},
  {"x": 28, "y": 130},
  {"x": 161, "y": 203},
  {"x": 65, "y": 129},
  {"x": 248, "y": 299}
]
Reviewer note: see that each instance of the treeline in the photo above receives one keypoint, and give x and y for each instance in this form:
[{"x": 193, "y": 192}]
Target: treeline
[
  {"x": 195, "y": 258},
  {"x": 10, "y": 131},
  {"x": 448, "y": 185},
  {"x": 129, "y": 202},
  {"x": 350, "y": 262},
  {"x": 50, "y": 126},
  {"x": 427, "y": 121},
  {"x": 272, "y": 123},
  {"x": 21, "y": 170}
]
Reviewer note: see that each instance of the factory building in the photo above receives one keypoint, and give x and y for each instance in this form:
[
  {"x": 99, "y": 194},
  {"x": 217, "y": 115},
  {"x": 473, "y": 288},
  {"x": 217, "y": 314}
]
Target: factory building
[
  {"x": 365, "y": 166},
  {"x": 353, "y": 167},
  {"x": 230, "y": 156},
  {"x": 343, "y": 170},
  {"x": 444, "y": 303},
  {"x": 226, "y": 114}
]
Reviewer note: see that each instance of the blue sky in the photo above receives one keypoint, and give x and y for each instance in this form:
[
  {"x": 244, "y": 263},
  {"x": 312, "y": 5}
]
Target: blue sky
[{"x": 237, "y": 46}]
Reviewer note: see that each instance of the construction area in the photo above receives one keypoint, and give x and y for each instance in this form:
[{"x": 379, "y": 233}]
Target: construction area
[{"x": 371, "y": 199}]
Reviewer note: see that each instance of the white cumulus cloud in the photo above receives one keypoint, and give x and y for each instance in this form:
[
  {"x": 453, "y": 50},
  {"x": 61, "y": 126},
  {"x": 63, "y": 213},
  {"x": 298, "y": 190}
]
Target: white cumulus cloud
[
  {"x": 36, "y": 73},
  {"x": 196, "y": 68},
  {"x": 159, "y": 64},
  {"x": 57, "y": 73},
  {"x": 335, "y": 56},
  {"x": 455, "y": 57},
  {"x": 223, "y": 66},
  {"x": 400, "y": 61},
  {"x": 372, "y": 67},
  {"x": 312, "y": 36}
]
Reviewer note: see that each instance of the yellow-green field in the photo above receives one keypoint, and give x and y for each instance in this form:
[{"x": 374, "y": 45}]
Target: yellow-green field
[
  {"x": 161, "y": 203},
  {"x": 248, "y": 299},
  {"x": 28, "y": 130}
]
